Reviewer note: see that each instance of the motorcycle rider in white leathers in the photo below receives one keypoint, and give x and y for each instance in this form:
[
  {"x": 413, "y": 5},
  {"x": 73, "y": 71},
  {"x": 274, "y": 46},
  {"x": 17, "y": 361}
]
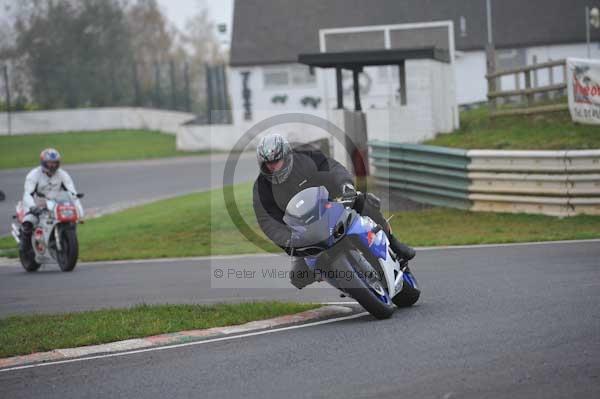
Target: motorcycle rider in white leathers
[{"x": 44, "y": 182}]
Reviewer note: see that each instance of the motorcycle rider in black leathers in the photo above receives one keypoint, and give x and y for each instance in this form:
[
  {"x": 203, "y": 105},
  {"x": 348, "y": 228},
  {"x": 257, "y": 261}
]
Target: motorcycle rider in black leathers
[{"x": 283, "y": 173}]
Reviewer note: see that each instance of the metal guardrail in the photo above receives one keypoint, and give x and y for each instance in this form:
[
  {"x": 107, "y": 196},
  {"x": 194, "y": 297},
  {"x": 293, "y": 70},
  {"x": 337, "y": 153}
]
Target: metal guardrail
[
  {"x": 428, "y": 174},
  {"x": 549, "y": 182}
]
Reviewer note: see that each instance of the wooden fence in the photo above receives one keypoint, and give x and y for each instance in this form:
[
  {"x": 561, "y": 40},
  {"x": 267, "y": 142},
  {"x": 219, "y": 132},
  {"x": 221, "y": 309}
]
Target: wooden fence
[{"x": 527, "y": 94}]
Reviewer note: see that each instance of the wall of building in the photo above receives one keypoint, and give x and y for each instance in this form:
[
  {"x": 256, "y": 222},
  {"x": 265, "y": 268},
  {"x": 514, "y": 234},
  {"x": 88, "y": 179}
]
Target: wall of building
[
  {"x": 431, "y": 98},
  {"x": 471, "y": 85}
]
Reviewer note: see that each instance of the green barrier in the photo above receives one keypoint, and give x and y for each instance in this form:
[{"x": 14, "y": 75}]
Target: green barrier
[{"x": 422, "y": 173}]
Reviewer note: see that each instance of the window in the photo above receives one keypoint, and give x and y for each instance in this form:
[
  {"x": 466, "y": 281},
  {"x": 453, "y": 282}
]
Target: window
[
  {"x": 288, "y": 76},
  {"x": 301, "y": 76},
  {"x": 276, "y": 77}
]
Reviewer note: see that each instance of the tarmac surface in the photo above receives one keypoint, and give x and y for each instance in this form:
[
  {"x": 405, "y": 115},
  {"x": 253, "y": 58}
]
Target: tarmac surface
[
  {"x": 517, "y": 321},
  {"x": 116, "y": 185}
]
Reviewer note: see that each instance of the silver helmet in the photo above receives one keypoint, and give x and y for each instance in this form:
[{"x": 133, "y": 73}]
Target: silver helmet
[
  {"x": 50, "y": 161},
  {"x": 272, "y": 148}
]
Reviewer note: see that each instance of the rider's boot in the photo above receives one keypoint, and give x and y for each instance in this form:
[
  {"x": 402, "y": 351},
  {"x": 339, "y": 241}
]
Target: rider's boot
[
  {"x": 25, "y": 239},
  {"x": 301, "y": 275},
  {"x": 402, "y": 250}
]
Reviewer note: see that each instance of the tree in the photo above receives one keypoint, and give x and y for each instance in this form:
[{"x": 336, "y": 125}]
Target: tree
[
  {"x": 199, "y": 36},
  {"x": 152, "y": 43},
  {"x": 77, "y": 53},
  {"x": 200, "y": 42}
]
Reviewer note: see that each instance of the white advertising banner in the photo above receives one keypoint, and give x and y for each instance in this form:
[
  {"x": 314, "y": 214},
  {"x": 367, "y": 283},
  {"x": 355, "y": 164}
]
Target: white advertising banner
[{"x": 583, "y": 88}]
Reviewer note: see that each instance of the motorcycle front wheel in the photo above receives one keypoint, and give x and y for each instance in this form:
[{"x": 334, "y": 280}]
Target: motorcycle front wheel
[
  {"x": 372, "y": 303},
  {"x": 373, "y": 295},
  {"x": 69, "y": 253}
]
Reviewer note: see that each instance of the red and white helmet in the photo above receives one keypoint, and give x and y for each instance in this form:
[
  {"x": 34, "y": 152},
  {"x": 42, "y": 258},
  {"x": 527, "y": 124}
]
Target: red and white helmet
[{"x": 50, "y": 161}]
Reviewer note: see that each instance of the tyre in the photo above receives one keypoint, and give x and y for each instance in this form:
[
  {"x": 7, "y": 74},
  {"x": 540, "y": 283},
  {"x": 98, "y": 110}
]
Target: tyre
[
  {"x": 368, "y": 299},
  {"x": 28, "y": 261},
  {"x": 373, "y": 295},
  {"x": 369, "y": 293},
  {"x": 69, "y": 253},
  {"x": 410, "y": 291}
]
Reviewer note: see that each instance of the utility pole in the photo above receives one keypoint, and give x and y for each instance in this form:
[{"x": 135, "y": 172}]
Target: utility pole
[
  {"x": 7, "y": 96},
  {"x": 489, "y": 21},
  {"x": 592, "y": 20},
  {"x": 490, "y": 53},
  {"x": 587, "y": 31}
]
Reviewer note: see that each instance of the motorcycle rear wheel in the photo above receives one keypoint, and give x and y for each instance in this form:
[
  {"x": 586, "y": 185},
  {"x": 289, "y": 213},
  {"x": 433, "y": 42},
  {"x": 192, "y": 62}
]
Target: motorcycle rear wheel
[
  {"x": 409, "y": 294},
  {"x": 28, "y": 261}
]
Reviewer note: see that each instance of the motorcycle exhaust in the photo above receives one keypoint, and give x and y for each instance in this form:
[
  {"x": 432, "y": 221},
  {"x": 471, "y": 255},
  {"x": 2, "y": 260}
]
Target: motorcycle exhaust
[{"x": 16, "y": 233}]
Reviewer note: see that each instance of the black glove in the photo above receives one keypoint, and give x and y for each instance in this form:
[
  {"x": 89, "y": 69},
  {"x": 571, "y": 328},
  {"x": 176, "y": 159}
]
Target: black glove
[
  {"x": 289, "y": 249},
  {"x": 348, "y": 191}
]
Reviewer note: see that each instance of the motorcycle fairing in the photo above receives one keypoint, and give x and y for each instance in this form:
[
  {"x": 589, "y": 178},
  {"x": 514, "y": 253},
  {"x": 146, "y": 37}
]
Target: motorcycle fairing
[{"x": 313, "y": 219}]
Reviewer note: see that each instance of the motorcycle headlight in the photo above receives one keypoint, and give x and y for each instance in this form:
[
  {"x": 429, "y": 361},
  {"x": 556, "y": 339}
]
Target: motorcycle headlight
[{"x": 67, "y": 213}]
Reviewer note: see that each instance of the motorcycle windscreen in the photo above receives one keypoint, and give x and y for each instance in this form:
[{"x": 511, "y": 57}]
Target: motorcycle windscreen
[
  {"x": 311, "y": 217},
  {"x": 306, "y": 207}
]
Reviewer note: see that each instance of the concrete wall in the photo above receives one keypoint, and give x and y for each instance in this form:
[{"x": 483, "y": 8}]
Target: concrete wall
[
  {"x": 93, "y": 119},
  {"x": 225, "y": 137}
]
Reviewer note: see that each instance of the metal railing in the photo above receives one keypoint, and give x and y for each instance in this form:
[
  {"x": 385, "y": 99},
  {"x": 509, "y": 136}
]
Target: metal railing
[{"x": 560, "y": 183}]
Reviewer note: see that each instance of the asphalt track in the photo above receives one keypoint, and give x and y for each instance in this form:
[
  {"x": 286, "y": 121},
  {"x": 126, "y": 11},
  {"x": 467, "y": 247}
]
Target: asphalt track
[
  {"x": 494, "y": 322},
  {"x": 116, "y": 185}
]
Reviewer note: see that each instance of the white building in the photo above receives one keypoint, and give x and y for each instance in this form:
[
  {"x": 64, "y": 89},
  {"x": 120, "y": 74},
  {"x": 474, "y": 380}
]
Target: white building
[
  {"x": 268, "y": 36},
  {"x": 265, "y": 77}
]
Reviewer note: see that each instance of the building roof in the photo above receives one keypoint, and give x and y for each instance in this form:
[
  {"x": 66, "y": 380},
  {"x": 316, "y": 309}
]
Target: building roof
[
  {"x": 352, "y": 59},
  {"x": 276, "y": 31}
]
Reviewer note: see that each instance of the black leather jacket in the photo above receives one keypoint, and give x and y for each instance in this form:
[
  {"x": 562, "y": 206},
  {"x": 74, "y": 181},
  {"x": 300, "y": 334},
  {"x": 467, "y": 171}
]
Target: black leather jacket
[{"x": 311, "y": 168}]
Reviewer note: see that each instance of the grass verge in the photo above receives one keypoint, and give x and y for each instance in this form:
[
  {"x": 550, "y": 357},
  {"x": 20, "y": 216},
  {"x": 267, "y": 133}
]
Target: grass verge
[
  {"x": 553, "y": 131},
  {"x": 80, "y": 147},
  {"x": 37, "y": 333},
  {"x": 198, "y": 224}
]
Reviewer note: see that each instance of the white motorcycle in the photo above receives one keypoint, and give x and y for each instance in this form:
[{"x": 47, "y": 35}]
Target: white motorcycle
[{"x": 54, "y": 239}]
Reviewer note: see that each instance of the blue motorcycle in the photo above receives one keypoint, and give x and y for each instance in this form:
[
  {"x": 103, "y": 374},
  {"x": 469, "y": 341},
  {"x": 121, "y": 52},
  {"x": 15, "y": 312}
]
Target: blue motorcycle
[{"x": 350, "y": 252}]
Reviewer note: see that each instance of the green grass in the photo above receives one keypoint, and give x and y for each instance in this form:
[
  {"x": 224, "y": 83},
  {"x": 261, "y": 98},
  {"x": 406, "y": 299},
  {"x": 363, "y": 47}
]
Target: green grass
[
  {"x": 190, "y": 225},
  {"x": 553, "y": 131},
  {"x": 82, "y": 147},
  {"x": 198, "y": 224},
  {"x": 37, "y": 333},
  {"x": 445, "y": 226}
]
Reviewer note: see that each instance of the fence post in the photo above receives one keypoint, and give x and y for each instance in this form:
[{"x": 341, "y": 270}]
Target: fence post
[
  {"x": 157, "y": 100},
  {"x": 551, "y": 79},
  {"x": 491, "y": 68},
  {"x": 7, "y": 94},
  {"x": 209, "y": 94},
  {"x": 186, "y": 77},
  {"x": 217, "y": 92},
  {"x": 528, "y": 86},
  {"x": 226, "y": 104},
  {"x": 136, "y": 85},
  {"x": 535, "y": 72},
  {"x": 564, "y": 68},
  {"x": 173, "y": 86},
  {"x": 518, "y": 86}
]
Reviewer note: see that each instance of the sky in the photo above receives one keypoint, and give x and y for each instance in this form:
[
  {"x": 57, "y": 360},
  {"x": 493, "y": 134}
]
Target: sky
[{"x": 177, "y": 11}]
